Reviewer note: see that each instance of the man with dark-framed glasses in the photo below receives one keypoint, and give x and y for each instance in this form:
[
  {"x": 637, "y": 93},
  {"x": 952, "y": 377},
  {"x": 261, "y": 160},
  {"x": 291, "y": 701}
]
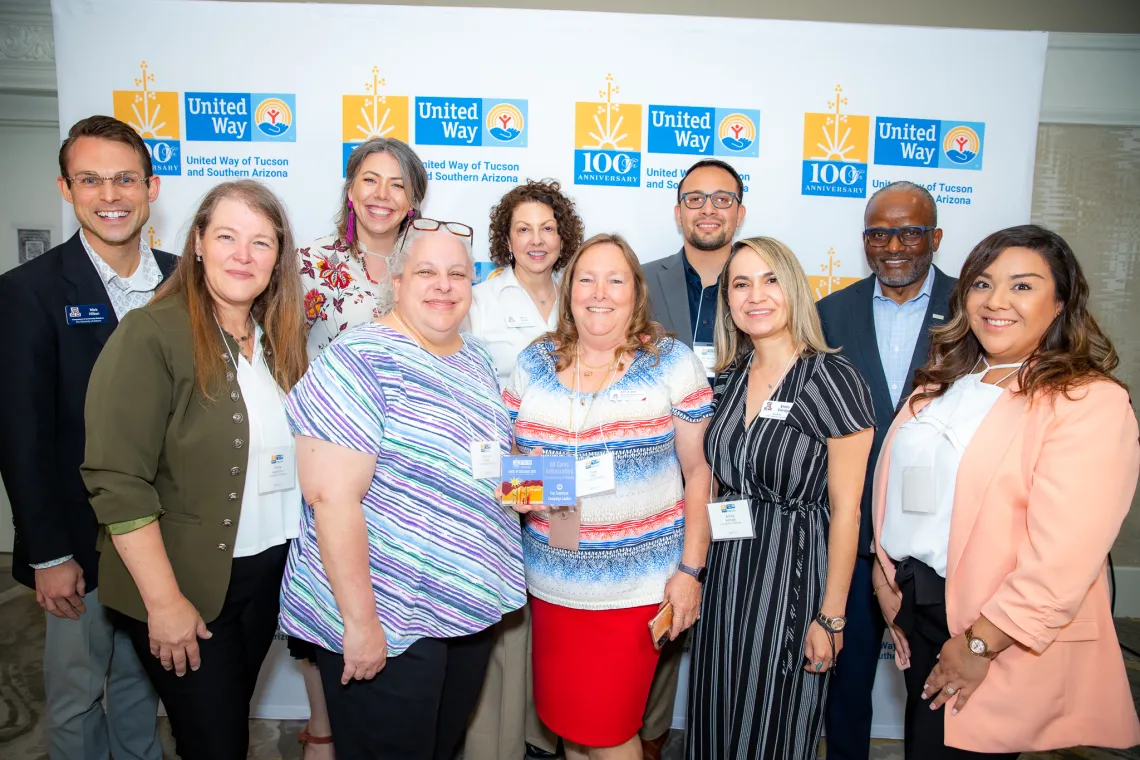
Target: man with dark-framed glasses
[
  {"x": 66, "y": 303},
  {"x": 882, "y": 324},
  {"x": 683, "y": 290}
]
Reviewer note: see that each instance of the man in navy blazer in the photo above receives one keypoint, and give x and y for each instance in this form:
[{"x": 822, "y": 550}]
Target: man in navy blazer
[
  {"x": 59, "y": 310},
  {"x": 882, "y": 324}
]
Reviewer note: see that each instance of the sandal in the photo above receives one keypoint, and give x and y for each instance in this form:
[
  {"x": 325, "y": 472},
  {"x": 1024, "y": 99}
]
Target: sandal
[{"x": 306, "y": 738}]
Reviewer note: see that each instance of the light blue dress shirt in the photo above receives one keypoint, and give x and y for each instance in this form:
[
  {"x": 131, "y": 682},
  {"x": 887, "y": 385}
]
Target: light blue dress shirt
[{"x": 897, "y": 327}]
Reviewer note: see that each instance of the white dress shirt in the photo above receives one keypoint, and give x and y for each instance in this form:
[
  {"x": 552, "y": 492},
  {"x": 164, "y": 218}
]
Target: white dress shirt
[
  {"x": 267, "y": 519},
  {"x": 925, "y": 455},
  {"x": 126, "y": 293},
  {"x": 506, "y": 319}
]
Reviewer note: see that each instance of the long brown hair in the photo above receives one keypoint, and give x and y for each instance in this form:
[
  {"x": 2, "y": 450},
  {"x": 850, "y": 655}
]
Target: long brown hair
[
  {"x": 733, "y": 345},
  {"x": 278, "y": 309},
  {"x": 1073, "y": 351},
  {"x": 643, "y": 334}
]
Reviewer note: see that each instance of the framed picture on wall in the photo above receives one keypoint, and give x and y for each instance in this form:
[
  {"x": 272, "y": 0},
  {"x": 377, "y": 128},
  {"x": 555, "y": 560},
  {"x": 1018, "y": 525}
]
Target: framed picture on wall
[{"x": 33, "y": 240}]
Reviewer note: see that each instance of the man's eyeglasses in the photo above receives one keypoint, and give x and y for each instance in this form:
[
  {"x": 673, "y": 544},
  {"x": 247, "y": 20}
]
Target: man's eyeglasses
[
  {"x": 123, "y": 180},
  {"x": 880, "y": 237},
  {"x": 695, "y": 199},
  {"x": 431, "y": 225}
]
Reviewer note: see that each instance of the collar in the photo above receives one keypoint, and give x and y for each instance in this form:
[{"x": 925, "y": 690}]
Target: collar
[
  {"x": 146, "y": 277},
  {"x": 504, "y": 278},
  {"x": 927, "y": 288}
]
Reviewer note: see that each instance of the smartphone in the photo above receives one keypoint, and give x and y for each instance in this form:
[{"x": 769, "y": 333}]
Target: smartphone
[{"x": 660, "y": 626}]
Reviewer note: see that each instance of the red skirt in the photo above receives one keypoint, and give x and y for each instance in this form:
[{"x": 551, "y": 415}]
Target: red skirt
[{"x": 592, "y": 671}]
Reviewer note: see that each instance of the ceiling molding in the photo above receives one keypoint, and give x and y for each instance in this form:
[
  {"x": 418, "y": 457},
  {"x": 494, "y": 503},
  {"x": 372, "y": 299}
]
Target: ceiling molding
[{"x": 27, "y": 48}]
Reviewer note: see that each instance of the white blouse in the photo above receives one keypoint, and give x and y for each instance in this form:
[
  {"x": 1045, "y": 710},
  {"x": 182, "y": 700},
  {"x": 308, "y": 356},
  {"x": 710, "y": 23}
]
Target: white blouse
[
  {"x": 506, "y": 319},
  {"x": 268, "y": 517},
  {"x": 925, "y": 455}
]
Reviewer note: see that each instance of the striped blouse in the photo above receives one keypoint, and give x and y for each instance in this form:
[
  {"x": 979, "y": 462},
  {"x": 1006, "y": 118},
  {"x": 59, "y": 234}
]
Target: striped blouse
[
  {"x": 445, "y": 558},
  {"x": 631, "y": 537}
]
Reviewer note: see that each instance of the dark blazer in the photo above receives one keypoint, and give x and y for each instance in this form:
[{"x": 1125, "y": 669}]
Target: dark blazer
[
  {"x": 154, "y": 441},
  {"x": 849, "y": 325},
  {"x": 669, "y": 296},
  {"x": 44, "y": 367}
]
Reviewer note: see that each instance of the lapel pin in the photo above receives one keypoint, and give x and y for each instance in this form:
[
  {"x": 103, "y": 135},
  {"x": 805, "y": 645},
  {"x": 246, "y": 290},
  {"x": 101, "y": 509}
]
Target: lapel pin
[{"x": 937, "y": 316}]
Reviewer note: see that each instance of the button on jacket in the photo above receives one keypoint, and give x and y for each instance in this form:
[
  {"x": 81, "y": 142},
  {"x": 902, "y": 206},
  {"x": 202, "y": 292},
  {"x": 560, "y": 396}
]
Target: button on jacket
[{"x": 154, "y": 442}]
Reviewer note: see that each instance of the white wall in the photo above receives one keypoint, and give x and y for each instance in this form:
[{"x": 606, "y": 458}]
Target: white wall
[{"x": 27, "y": 196}]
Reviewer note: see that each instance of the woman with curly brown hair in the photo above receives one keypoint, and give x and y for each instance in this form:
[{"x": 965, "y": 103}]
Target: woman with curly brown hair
[
  {"x": 1001, "y": 487},
  {"x": 534, "y": 231}
]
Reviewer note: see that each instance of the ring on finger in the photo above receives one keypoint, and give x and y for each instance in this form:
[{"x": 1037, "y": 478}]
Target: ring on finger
[{"x": 950, "y": 690}]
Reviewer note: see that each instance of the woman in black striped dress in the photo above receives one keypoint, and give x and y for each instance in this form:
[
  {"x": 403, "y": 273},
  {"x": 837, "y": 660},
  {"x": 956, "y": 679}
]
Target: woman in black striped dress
[{"x": 788, "y": 442}]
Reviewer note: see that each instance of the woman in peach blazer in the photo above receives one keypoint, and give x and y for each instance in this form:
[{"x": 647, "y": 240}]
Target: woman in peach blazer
[{"x": 1002, "y": 486}]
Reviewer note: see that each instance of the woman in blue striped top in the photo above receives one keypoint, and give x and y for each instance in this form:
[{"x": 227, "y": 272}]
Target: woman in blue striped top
[{"x": 406, "y": 558}]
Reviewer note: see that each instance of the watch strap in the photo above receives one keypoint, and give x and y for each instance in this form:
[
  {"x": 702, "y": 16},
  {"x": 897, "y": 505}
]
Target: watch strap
[{"x": 698, "y": 573}]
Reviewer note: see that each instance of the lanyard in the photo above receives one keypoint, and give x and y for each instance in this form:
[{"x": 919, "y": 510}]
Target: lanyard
[
  {"x": 775, "y": 387},
  {"x": 593, "y": 396},
  {"x": 446, "y": 385}
]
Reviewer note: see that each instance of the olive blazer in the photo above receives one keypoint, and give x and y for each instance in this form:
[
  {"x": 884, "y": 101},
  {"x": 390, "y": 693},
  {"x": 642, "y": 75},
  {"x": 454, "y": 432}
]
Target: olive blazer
[{"x": 155, "y": 442}]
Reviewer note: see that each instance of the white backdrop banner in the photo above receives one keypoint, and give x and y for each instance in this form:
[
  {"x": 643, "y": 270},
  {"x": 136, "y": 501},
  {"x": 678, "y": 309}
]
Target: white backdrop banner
[{"x": 814, "y": 116}]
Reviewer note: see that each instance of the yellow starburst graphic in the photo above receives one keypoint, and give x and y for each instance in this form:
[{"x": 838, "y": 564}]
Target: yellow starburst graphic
[
  {"x": 830, "y": 280},
  {"x": 153, "y": 114},
  {"x": 376, "y": 114},
  {"x": 607, "y": 124},
  {"x": 836, "y": 135}
]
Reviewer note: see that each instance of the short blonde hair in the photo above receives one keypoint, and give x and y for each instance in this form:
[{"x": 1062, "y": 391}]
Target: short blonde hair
[{"x": 732, "y": 344}]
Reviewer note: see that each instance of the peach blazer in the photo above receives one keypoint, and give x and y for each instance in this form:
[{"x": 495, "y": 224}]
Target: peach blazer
[{"x": 1040, "y": 495}]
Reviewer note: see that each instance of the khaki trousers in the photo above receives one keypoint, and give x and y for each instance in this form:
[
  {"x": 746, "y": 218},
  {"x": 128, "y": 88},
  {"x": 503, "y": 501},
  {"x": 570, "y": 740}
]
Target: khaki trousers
[{"x": 505, "y": 720}]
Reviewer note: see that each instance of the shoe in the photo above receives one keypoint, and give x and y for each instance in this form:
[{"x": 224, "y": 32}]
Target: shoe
[
  {"x": 535, "y": 752},
  {"x": 651, "y": 748}
]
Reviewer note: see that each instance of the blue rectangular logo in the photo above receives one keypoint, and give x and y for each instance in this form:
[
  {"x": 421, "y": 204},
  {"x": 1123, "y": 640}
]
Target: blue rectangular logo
[
  {"x": 737, "y": 132},
  {"x": 86, "y": 314},
  {"x": 165, "y": 157},
  {"x": 834, "y": 178},
  {"x": 962, "y": 145},
  {"x": 274, "y": 117},
  {"x": 494, "y": 122},
  {"x": 680, "y": 129},
  {"x": 616, "y": 168},
  {"x": 907, "y": 142},
  {"x": 218, "y": 116}
]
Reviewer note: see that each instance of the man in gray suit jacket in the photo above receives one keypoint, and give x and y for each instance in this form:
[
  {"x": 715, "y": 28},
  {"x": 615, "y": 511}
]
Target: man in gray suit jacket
[
  {"x": 683, "y": 287},
  {"x": 882, "y": 324},
  {"x": 683, "y": 291}
]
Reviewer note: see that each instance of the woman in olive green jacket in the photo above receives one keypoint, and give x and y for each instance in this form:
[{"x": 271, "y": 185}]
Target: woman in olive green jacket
[{"x": 190, "y": 465}]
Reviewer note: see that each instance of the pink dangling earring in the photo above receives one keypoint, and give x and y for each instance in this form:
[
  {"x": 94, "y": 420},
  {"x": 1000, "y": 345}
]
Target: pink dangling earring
[
  {"x": 350, "y": 228},
  {"x": 411, "y": 213}
]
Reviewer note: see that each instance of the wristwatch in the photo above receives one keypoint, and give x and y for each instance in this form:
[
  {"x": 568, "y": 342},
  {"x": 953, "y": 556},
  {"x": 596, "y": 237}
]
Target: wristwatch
[
  {"x": 833, "y": 624},
  {"x": 978, "y": 645},
  {"x": 700, "y": 573}
]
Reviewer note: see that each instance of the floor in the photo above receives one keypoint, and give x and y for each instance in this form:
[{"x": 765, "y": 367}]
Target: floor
[{"x": 21, "y": 694}]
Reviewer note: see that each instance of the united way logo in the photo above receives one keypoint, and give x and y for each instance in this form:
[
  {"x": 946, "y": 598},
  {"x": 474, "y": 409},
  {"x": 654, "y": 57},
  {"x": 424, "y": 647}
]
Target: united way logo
[
  {"x": 928, "y": 143},
  {"x": 830, "y": 279},
  {"x": 154, "y": 115},
  {"x": 962, "y": 145},
  {"x": 374, "y": 114},
  {"x": 240, "y": 117},
  {"x": 836, "y": 145},
  {"x": 471, "y": 122},
  {"x": 607, "y": 140},
  {"x": 703, "y": 131}
]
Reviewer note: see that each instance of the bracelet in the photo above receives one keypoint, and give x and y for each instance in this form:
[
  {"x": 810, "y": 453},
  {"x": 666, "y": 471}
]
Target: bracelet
[{"x": 880, "y": 587}]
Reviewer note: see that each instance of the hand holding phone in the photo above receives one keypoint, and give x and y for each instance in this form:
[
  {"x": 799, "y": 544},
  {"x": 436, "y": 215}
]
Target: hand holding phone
[{"x": 660, "y": 626}]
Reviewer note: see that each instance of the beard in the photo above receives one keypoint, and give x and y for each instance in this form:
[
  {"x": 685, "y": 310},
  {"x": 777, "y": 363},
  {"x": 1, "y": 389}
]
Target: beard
[
  {"x": 918, "y": 269},
  {"x": 715, "y": 242}
]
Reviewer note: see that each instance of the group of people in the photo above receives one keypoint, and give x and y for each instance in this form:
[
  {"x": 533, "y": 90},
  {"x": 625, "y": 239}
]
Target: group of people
[{"x": 312, "y": 438}]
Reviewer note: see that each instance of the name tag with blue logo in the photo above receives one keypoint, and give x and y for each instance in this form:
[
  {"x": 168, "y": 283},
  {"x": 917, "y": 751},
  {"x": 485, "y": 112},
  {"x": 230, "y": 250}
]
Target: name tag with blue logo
[
  {"x": 87, "y": 314},
  {"x": 730, "y": 520}
]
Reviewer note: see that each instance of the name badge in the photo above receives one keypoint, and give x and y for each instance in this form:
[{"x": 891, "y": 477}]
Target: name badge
[
  {"x": 519, "y": 320},
  {"x": 706, "y": 352},
  {"x": 918, "y": 491},
  {"x": 776, "y": 410},
  {"x": 730, "y": 520},
  {"x": 566, "y": 527},
  {"x": 486, "y": 460},
  {"x": 595, "y": 475},
  {"x": 87, "y": 314},
  {"x": 628, "y": 394},
  {"x": 277, "y": 470}
]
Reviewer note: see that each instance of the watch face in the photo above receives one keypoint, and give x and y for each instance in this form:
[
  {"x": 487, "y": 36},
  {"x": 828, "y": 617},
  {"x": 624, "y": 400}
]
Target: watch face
[
  {"x": 977, "y": 646},
  {"x": 838, "y": 624},
  {"x": 702, "y": 574}
]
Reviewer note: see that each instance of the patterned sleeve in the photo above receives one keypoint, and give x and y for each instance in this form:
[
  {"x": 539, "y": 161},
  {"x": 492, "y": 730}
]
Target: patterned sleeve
[
  {"x": 520, "y": 378},
  {"x": 836, "y": 401},
  {"x": 339, "y": 399},
  {"x": 689, "y": 390}
]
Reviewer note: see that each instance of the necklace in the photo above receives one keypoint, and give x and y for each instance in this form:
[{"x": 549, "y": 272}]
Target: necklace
[{"x": 247, "y": 336}]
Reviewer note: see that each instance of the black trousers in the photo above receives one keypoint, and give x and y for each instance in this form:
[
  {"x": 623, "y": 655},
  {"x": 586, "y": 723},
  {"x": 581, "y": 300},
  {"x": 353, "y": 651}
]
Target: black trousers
[
  {"x": 209, "y": 708},
  {"x": 416, "y": 708},
  {"x": 923, "y": 619}
]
